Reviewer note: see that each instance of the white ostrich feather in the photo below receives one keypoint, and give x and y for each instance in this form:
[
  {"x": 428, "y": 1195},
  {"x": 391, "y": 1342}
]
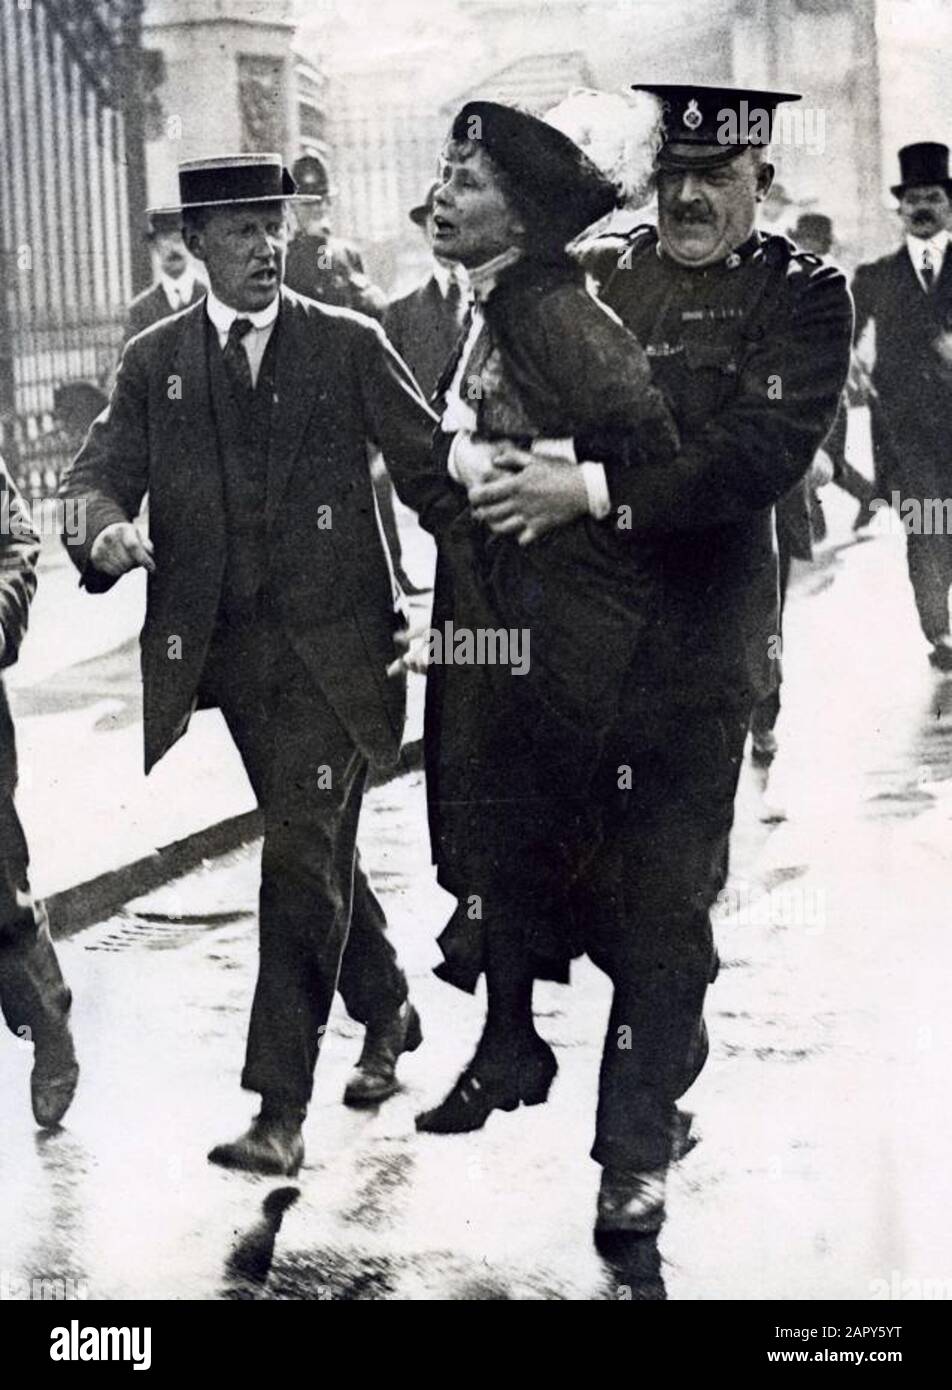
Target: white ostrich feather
[{"x": 620, "y": 135}]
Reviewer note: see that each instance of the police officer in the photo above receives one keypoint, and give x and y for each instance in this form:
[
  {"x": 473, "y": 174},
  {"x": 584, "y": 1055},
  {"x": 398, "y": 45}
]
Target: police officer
[
  {"x": 320, "y": 265},
  {"x": 750, "y": 339}
]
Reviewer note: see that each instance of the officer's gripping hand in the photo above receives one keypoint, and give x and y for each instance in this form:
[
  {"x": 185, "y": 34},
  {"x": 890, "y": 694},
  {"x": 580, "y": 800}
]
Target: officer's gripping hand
[
  {"x": 530, "y": 495},
  {"x": 120, "y": 548}
]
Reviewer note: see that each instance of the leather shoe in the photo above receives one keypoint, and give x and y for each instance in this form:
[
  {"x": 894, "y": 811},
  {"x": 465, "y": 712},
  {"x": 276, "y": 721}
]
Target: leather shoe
[
  {"x": 375, "y": 1076},
  {"x": 478, "y": 1092},
  {"x": 272, "y": 1145},
  {"x": 631, "y": 1201},
  {"x": 54, "y": 1077}
]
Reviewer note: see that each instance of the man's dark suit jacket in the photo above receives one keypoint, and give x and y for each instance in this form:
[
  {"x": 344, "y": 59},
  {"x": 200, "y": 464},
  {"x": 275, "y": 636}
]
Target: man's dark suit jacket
[
  {"x": 338, "y": 385},
  {"x": 424, "y": 328},
  {"x": 913, "y": 416},
  {"x": 151, "y": 306}
]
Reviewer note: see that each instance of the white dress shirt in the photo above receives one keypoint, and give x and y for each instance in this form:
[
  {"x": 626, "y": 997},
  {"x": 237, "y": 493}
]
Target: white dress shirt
[
  {"x": 254, "y": 342},
  {"x": 935, "y": 247},
  {"x": 178, "y": 292}
]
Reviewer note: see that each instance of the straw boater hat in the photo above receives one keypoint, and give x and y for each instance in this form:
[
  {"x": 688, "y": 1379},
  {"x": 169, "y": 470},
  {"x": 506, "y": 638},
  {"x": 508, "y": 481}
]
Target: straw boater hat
[{"x": 230, "y": 178}]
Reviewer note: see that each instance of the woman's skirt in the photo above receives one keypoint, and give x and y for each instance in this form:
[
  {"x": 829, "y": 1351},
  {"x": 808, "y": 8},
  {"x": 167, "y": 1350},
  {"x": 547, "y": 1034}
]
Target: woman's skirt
[{"x": 509, "y": 777}]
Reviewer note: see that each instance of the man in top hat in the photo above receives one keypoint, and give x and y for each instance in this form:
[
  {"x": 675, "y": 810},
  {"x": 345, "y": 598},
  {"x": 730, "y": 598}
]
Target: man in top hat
[
  {"x": 320, "y": 265},
  {"x": 424, "y": 325},
  {"x": 908, "y": 296},
  {"x": 750, "y": 340},
  {"x": 176, "y": 286},
  {"x": 247, "y": 419}
]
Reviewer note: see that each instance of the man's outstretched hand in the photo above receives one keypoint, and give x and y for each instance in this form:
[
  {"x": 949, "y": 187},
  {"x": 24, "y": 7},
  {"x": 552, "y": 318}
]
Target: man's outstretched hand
[
  {"x": 120, "y": 548},
  {"x": 529, "y": 495}
]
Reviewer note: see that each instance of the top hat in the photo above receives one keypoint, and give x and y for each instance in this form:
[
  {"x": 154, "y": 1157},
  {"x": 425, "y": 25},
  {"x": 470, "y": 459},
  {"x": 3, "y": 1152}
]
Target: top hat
[
  {"x": 230, "y": 178},
  {"x": 551, "y": 176},
  {"x": 923, "y": 164},
  {"x": 310, "y": 175},
  {"x": 704, "y": 127},
  {"x": 421, "y": 212}
]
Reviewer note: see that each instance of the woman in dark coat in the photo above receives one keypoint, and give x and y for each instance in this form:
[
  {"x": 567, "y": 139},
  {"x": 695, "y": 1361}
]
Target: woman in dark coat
[{"x": 511, "y": 748}]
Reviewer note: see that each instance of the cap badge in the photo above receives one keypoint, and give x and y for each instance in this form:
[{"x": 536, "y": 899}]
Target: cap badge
[{"x": 692, "y": 117}]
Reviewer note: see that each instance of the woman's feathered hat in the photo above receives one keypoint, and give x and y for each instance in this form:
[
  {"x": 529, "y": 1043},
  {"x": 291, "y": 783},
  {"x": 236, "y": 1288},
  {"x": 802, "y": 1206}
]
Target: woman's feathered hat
[{"x": 551, "y": 176}]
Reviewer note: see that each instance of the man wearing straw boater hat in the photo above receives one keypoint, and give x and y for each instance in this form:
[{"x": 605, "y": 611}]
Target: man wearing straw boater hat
[
  {"x": 247, "y": 420},
  {"x": 908, "y": 296}
]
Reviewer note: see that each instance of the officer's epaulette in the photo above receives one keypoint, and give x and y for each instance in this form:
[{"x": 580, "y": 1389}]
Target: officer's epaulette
[
  {"x": 802, "y": 267},
  {"x": 602, "y": 255},
  {"x": 637, "y": 238}
]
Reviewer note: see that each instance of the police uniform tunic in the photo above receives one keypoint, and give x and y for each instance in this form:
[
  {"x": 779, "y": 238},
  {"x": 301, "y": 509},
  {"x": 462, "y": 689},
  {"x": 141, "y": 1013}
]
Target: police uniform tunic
[{"x": 752, "y": 353}]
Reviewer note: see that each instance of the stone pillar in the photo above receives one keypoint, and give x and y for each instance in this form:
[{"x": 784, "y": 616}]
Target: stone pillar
[{"x": 226, "y": 83}]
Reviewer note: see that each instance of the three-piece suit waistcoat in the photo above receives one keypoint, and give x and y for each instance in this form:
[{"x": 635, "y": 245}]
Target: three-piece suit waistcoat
[{"x": 243, "y": 427}]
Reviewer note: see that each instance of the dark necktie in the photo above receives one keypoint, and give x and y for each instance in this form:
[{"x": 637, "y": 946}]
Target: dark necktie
[
  {"x": 928, "y": 272},
  {"x": 454, "y": 300},
  {"x": 236, "y": 359}
]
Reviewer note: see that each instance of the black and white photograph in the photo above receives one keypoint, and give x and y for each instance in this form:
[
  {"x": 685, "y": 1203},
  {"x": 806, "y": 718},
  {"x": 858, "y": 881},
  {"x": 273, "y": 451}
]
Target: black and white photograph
[{"x": 476, "y": 706}]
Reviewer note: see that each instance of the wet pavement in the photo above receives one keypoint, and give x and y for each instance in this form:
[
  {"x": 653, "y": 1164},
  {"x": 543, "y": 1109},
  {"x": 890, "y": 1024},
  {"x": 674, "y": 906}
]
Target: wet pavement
[{"x": 821, "y": 1171}]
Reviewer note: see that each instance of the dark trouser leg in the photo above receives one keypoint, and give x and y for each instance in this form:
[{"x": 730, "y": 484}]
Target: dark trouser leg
[
  {"x": 766, "y": 712},
  {"x": 371, "y": 983},
  {"x": 309, "y": 779},
  {"x": 665, "y": 862},
  {"x": 33, "y": 995},
  {"x": 930, "y": 571}
]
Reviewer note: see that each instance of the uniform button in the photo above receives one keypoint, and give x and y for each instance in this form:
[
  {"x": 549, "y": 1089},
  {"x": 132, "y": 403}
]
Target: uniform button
[{"x": 733, "y": 261}]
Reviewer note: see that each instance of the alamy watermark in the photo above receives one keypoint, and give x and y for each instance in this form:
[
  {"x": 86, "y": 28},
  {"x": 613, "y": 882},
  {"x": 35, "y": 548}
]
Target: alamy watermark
[
  {"x": 801, "y": 126},
  {"x": 23, "y": 518},
  {"x": 789, "y": 905},
  {"x": 915, "y": 516},
  {"x": 480, "y": 646},
  {"x": 41, "y": 1288}
]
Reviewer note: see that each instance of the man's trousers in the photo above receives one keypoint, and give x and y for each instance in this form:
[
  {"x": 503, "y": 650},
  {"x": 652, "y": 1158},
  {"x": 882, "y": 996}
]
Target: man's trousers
[
  {"x": 930, "y": 572},
  {"x": 33, "y": 996},
  {"x": 320, "y": 925},
  {"x": 663, "y": 864}
]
